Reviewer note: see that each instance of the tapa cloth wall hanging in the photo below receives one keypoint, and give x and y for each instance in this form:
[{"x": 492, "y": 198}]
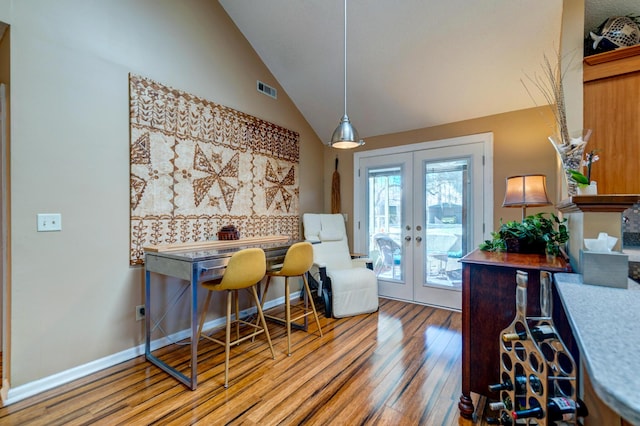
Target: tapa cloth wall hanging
[{"x": 197, "y": 166}]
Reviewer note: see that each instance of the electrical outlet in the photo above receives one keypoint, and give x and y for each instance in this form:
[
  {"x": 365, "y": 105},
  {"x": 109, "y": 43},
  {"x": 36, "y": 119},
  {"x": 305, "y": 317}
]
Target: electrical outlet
[{"x": 140, "y": 312}]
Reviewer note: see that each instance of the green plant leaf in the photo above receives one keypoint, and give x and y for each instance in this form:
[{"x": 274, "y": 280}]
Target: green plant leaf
[
  {"x": 578, "y": 177},
  {"x": 534, "y": 229}
]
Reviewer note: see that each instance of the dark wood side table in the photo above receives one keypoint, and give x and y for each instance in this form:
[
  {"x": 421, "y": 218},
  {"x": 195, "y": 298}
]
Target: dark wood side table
[{"x": 488, "y": 306}]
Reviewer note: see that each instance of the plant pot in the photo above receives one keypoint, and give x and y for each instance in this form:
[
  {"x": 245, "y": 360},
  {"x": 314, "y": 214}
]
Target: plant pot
[
  {"x": 591, "y": 189},
  {"x": 515, "y": 245}
]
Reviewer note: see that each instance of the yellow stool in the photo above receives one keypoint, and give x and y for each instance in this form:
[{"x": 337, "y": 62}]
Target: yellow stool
[
  {"x": 297, "y": 262},
  {"x": 245, "y": 270}
]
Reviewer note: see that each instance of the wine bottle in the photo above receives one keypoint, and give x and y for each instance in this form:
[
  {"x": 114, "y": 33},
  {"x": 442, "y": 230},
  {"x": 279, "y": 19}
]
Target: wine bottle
[
  {"x": 539, "y": 333},
  {"x": 506, "y": 385},
  {"x": 504, "y": 419},
  {"x": 535, "y": 383},
  {"x": 558, "y": 408},
  {"x": 508, "y": 404},
  {"x": 521, "y": 385},
  {"x": 497, "y": 406}
]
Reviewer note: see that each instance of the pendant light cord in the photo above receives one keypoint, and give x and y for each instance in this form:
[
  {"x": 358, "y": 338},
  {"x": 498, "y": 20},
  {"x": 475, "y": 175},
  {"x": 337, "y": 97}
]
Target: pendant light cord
[{"x": 345, "y": 57}]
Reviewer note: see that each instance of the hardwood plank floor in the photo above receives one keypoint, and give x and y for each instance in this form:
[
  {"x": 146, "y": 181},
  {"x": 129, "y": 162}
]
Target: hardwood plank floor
[{"x": 398, "y": 366}]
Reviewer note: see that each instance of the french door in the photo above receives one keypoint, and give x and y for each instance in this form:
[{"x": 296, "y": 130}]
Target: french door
[{"x": 419, "y": 211}]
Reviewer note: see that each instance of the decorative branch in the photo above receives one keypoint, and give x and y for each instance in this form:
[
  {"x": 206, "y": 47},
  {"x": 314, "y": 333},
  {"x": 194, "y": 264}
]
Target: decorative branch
[{"x": 550, "y": 85}]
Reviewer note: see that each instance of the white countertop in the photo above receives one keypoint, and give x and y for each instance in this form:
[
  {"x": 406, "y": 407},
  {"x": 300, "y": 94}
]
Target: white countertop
[
  {"x": 606, "y": 324},
  {"x": 633, "y": 253}
]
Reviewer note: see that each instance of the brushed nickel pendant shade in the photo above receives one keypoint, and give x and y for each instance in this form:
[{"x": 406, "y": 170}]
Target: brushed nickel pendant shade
[{"x": 345, "y": 136}]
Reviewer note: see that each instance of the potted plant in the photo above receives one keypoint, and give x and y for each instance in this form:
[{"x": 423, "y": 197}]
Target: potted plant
[
  {"x": 583, "y": 181},
  {"x": 535, "y": 234}
]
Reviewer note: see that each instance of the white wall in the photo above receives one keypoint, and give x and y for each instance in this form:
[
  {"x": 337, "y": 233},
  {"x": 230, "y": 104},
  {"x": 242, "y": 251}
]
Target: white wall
[{"x": 73, "y": 292}]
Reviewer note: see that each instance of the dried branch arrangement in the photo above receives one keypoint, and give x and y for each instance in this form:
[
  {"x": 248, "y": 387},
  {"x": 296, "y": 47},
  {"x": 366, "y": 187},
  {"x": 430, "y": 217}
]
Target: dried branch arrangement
[{"x": 550, "y": 85}]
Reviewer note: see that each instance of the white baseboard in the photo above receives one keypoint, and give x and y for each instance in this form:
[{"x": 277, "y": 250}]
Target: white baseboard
[{"x": 13, "y": 395}]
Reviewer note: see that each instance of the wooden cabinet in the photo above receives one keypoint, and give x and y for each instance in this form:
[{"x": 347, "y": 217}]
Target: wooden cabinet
[
  {"x": 488, "y": 306},
  {"x": 612, "y": 111}
]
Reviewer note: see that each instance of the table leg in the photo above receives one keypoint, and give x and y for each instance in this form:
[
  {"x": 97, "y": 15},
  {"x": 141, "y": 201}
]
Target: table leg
[
  {"x": 190, "y": 382},
  {"x": 194, "y": 328},
  {"x": 466, "y": 406},
  {"x": 147, "y": 311}
]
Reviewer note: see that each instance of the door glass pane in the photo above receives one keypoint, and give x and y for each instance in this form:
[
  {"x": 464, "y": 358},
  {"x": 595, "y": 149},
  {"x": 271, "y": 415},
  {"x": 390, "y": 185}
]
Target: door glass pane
[
  {"x": 384, "y": 222},
  {"x": 446, "y": 221}
]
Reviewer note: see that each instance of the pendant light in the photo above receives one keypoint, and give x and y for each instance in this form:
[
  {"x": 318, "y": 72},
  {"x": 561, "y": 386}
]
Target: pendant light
[{"x": 345, "y": 136}]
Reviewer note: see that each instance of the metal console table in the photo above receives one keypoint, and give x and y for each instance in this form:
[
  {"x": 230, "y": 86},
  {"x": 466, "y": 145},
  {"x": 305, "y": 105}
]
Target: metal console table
[{"x": 196, "y": 263}]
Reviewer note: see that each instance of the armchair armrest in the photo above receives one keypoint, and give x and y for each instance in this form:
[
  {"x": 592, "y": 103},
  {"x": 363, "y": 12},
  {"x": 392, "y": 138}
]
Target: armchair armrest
[{"x": 362, "y": 262}]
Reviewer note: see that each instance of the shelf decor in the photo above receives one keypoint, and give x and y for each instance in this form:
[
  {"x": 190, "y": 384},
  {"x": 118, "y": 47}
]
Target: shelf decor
[
  {"x": 571, "y": 154},
  {"x": 585, "y": 186},
  {"x": 569, "y": 147}
]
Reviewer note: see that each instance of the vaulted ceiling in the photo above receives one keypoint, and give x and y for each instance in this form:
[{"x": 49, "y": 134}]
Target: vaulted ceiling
[{"x": 411, "y": 63}]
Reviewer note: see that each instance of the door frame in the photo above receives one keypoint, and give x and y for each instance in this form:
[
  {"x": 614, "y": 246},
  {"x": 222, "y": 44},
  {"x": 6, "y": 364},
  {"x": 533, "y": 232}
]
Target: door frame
[
  {"x": 487, "y": 209},
  {"x": 4, "y": 242}
]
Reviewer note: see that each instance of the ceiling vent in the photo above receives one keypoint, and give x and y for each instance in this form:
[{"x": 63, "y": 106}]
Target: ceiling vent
[{"x": 267, "y": 90}]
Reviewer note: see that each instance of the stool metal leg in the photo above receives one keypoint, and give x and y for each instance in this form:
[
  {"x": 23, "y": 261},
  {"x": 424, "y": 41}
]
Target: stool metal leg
[
  {"x": 313, "y": 305},
  {"x": 261, "y": 317},
  {"x": 287, "y": 307},
  {"x": 227, "y": 339}
]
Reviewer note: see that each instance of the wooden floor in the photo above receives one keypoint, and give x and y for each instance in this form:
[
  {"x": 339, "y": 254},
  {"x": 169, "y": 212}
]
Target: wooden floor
[{"x": 398, "y": 366}]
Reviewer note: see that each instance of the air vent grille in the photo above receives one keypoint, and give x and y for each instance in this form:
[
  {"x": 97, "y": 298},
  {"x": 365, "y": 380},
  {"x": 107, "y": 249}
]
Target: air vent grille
[{"x": 267, "y": 90}]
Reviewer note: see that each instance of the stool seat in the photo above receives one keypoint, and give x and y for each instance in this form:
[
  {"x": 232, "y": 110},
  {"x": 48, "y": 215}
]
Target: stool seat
[
  {"x": 297, "y": 262},
  {"x": 245, "y": 270}
]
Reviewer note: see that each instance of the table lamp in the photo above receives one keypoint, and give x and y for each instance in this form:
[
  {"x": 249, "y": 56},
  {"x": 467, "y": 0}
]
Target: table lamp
[{"x": 526, "y": 191}]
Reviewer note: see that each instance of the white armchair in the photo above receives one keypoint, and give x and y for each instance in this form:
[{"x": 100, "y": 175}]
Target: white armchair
[{"x": 347, "y": 285}]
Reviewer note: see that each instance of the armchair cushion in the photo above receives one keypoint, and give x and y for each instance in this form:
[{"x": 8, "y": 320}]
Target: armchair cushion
[{"x": 330, "y": 235}]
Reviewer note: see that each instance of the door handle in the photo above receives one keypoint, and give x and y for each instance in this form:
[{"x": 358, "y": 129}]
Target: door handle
[
  {"x": 407, "y": 238},
  {"x": 418, "y": 239}
]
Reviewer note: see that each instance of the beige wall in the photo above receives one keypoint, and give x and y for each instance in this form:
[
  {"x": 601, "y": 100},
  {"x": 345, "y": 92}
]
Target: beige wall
[
  {"x": 571, "y": 47},
  {"x": 73, "y": 292},
  {"x": 520, "y": 146}
]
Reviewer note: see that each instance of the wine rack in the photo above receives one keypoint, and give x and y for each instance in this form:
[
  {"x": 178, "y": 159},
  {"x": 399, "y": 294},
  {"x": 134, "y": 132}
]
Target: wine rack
[{"x": 538, "y": 368}]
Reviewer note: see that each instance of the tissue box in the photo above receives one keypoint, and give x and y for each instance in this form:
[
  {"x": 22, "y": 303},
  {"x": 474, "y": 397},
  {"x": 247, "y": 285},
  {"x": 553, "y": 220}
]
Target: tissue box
[{"x": 606, "y": 269}]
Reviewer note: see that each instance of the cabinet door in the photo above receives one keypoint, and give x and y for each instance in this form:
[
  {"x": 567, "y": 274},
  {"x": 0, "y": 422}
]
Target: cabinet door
[{"x": 612, "y": 111}]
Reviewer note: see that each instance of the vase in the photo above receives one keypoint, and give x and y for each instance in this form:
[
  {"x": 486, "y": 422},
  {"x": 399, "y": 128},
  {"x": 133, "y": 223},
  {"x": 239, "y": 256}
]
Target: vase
[
  {"x": 591, "y": 189},
  {"x": 570, "y": 153}
]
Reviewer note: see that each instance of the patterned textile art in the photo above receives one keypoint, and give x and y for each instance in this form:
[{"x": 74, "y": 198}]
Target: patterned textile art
[{"x": 197, "y": 166}]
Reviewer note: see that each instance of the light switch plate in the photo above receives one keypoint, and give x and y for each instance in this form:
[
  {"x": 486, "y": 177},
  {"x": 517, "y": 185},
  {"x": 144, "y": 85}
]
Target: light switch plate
[{"x": 48, "y": 222}]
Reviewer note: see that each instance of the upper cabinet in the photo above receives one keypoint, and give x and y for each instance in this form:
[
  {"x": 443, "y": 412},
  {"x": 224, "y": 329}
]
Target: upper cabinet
[{"x": 612, "y": 111}]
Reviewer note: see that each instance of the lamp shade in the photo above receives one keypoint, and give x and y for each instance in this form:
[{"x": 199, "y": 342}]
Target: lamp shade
[
  {"x": 345, "y": 136},
  {"x": 526, "y": 191}
]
